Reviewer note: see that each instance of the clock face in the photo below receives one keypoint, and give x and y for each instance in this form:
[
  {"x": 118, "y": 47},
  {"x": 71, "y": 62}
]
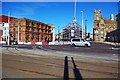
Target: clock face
[{"x": 97, "y": 14}]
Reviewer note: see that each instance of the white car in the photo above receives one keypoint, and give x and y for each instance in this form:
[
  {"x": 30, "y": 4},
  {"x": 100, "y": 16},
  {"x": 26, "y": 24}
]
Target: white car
[{"x": 80, "y": 42}]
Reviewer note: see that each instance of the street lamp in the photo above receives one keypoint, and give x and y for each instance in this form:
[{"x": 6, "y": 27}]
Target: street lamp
[
  {"x": 8, "y": 27},
  {"x": 82, "y": 24},
  {"x": 18, "y": 30},
  {"x": 85, "y": 28}
]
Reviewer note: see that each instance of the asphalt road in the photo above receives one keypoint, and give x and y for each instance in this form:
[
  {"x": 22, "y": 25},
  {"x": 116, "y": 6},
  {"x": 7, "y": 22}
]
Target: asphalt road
[
  {"x": 49, "y": 61},
  {"x": 96, "y": 48},
  {"x": 43, "y": 63}
]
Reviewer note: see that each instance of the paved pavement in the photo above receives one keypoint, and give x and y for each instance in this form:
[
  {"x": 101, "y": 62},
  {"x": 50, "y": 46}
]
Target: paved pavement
[
  {"x": 97, "y": 61},
  {"x": 100, "y": 49}
]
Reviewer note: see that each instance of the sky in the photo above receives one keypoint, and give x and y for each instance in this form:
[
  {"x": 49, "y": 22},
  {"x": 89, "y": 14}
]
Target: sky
[{"x": 59, "y": 13}]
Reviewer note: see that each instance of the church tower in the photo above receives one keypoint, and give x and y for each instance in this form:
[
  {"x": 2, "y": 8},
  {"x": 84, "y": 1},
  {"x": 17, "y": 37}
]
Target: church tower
[{"x": 97, "y": 14}]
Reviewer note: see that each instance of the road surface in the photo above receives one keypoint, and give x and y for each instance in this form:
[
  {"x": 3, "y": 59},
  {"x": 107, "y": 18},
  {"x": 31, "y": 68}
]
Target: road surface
[{"x": 98, "y": 61}]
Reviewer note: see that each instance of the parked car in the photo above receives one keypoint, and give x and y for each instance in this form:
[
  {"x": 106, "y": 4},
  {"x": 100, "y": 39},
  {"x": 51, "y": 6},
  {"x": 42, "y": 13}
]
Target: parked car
[{"x": 80, "y": 42}]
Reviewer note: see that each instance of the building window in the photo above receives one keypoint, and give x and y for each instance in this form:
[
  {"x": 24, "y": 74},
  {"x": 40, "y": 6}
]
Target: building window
[
  {"x": 106, "y": 30},
  {"x": 101, "y": 36},
  {"x": 20, "y": 36},
  {"x": 101, "y": 32},
  {"x": 96, "y": 31},
  {"x": 102, "y": 25},
  {"x": 33, "y": 24},
  {"x": 96, "y": 36},
  {"x": 111, "y": 29},
  {"x": 19, "y": 24},
  {"x": 19, "y": 29},
  {"x": 13, "y": 24},
  {"x": 13, "y": 29},
  {"x": 14, "y": 35}
]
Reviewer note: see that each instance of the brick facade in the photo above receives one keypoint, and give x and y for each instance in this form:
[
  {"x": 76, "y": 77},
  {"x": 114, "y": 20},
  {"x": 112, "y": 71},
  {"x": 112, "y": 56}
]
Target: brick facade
[{"x": 30, "y": 30}]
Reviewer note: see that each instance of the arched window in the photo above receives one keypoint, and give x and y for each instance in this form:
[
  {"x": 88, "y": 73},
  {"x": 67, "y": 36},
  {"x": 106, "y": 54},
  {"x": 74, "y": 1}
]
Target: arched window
[
  {"x": 106, "y": 30},
  {"x": 111, "y": 29}
]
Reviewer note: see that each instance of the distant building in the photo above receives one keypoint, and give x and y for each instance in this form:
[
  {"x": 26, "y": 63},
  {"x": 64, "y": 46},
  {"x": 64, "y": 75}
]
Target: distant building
[
  {"x": 60, "y": 35},
  {"x": 118, "y": 17},
  {"x": 4, "y": 27},
  {"x": 118, "y": 26},
  {"x": 89, "y": 36},
  {"x": 118, "y": 21},
  {"x": 72, "y": 30},
  {"x": 102, "y": 26},
  {"x": 30, "y": 30},
  {"x": 114, "y": 36},
  {"x": 1, "y": 32}
]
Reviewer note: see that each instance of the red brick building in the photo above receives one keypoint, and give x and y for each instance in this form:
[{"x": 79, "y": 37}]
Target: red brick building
[
  {"x": 4, "y": 19},
  {"x": 30, "y": 30}
]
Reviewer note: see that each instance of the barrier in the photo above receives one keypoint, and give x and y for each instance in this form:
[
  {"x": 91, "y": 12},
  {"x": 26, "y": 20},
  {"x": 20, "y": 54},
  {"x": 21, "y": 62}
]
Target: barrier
[
  {"x": 44, "y": 43},
  {"x": 33, "y": 42}
]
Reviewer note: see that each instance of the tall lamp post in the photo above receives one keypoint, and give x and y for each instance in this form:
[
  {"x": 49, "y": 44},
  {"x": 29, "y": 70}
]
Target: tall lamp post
[
  {"x": 18, "y": 30},
  {"x": 53, "y": 34},
  {"x": 85, "y": 28},
  {"x": 58, "y": 31},
  {"x": 82, "y": 25},
  {"x": 8, "y": 40}
]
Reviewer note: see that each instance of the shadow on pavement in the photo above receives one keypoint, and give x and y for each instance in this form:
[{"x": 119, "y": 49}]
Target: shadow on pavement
[
  {"x": 66, "y": 71},
  {"x": 76, "y": 71}
]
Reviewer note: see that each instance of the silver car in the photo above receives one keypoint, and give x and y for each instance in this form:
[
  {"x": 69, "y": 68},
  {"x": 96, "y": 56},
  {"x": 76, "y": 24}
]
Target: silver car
[{"x": 80, "y": 42}]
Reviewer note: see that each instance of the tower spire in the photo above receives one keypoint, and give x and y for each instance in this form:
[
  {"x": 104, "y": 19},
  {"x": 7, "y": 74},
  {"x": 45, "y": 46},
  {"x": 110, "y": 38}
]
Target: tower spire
[{"x": 74, "y": 11}]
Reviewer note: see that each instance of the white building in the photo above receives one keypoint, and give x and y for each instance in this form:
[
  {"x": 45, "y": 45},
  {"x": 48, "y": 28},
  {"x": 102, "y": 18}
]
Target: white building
[
  {"x": 1, "y": 32},
  {"x": 4, "y": 27},
  {"x": 6, "y": 30}
]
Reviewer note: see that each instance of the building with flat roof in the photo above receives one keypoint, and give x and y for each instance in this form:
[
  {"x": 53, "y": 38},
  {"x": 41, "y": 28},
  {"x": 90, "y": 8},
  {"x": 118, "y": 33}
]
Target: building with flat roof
[
  {"x": 27, "y": 30},
  {"x": 4, "y": 26}
]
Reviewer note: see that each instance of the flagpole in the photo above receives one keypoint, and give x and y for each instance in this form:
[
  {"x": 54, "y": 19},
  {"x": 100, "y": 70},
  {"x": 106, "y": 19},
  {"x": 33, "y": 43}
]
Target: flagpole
[{"x": 74, "y": 10}]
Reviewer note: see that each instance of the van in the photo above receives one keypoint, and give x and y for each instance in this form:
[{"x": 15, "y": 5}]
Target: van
[{"x": 80, "y": 42}]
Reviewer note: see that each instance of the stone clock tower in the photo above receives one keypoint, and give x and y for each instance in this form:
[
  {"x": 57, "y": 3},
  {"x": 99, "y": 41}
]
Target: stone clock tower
[
  {"x": 102, "y": 26},
  {"x": 97, "y": 14}
]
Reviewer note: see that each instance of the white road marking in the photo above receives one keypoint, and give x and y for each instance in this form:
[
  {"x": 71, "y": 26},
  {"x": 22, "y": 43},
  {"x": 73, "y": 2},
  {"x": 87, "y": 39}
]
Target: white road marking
[{"x": 115, "y": 48}]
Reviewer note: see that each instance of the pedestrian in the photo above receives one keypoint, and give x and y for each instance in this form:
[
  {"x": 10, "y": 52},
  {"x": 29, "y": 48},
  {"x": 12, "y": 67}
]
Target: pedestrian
[
  {"x": 45, "y": 39},
  {"x": 59, "y": 40},
  {"x": 48, "y": 41}
]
